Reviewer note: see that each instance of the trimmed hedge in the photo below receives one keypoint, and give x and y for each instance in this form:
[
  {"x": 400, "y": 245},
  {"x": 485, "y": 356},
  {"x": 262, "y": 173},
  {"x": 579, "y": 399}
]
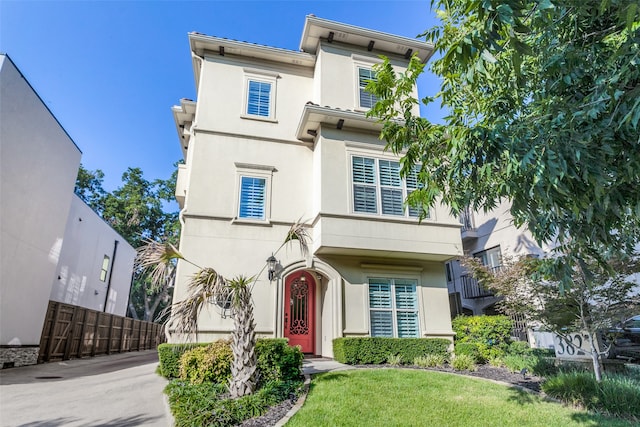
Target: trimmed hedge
[
  {"x": 376, "y": 350},
  {"x": 169, "y": 356},
  {"x": 276, "y": 360}
]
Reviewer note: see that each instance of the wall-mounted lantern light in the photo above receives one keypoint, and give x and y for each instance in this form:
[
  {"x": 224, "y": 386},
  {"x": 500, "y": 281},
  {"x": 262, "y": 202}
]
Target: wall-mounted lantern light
[{"x": 271, "y": 267}]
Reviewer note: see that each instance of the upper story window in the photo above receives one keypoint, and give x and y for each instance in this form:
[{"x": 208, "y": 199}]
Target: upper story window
[
  {"x": 104, "y": 270},
  {"x": 393, "y": 308},
  {"x": 259, "y": 98},
  {"x": 252, "y": 197},
  {"x": 254, "y": 192},
  {"x": 260, "y": 95},
  {"x": 378, "y": 188},
  {"x": 366, "y": 99},
  {"x": 490, "y": 258}
]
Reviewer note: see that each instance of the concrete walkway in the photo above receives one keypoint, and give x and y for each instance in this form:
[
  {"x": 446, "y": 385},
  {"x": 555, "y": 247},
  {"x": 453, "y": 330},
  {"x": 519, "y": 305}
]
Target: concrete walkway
[
  {"x": 317, "y": 365},
  {"x": 107, "y": 391}
]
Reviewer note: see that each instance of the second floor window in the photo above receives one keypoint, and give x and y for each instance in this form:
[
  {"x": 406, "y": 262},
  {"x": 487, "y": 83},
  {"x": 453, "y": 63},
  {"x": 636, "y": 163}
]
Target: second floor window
[
  {"x": 259, "y": 98},
  {"x": 252, "y": 198},
  {"x": 378, "y": 188},
  {"x": 490, "y": 258},
  {"x": 367, "y": 100}
]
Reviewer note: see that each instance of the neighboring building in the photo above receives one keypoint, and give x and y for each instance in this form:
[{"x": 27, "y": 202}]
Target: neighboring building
[
  {"x": 38, "y": 168},
  {"x": 279, "y": 135},
  {"x": 95, "y": 263},
  {"x": 489, "y": 237}
]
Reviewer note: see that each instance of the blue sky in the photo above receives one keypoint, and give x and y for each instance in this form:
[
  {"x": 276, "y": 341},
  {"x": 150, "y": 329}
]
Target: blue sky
[{"x": 110, "y": 70}]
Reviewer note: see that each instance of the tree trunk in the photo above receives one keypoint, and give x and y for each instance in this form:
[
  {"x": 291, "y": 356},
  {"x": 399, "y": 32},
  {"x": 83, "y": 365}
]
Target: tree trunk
[
  {"x": 595, "y": 358},
  {"x": 244, "y": 366}
]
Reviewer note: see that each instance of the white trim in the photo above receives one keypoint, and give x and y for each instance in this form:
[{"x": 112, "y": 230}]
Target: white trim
[
  {"x": 254, "y": 171},
  {"x": 260, "y": 76}
]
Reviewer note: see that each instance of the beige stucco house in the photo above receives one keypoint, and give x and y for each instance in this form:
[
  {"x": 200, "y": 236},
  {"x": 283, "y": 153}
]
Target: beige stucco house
[{"x": 278, "y": 135}]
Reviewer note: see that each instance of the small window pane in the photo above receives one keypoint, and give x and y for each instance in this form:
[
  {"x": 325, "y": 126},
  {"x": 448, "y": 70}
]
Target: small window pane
[
  {"x": 391, "y": 201},
  {"x": 407, "y": 324},
  {"x": 406, "y": 298},
  {"x": 104, "y": 269},
  {"x": 252, "y": 197},
  {"x": 390, "y": 173},
  {"x": 364, "y": 199},
  {"x": 364, "y": 170},
  {"x": 379, "y": 295},
  {"x": 381, "y": 324}
]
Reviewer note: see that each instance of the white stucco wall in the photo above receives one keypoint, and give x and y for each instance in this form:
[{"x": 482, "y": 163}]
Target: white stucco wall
[
  {"x": 309, "y": 181},
  {"x": 87, "y": 240},
  {"x": 38, "y": 167}
]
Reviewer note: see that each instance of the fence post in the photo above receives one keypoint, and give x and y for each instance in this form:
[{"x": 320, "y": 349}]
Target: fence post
[
  {"x": 95, "y": 335},
  {"x": 82, "y": 332},
  {"x": 110, "y": 333}
]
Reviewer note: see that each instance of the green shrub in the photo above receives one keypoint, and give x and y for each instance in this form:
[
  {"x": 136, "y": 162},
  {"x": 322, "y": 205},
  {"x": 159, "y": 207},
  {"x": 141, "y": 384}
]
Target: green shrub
[
  {"x": 207, "y": 364},
  {"x": 394, "y": 360},
  {"x": 469, "y": 349},
  {"x": 200, "y": 404},
  {"x": 376, "y": 350},
  {"x": 169, "y": 357},
  {"x": 498, "y": 362},
  {"x": 429, "y": 361},
  {"x": 491, "y": 334},
  {"x": 519, "y": 348},
  {"x": 615, "y": 395},
  {"x": 277, "y": 361},
  {"x": 463, "y": 362},
  {"x": 544, "y": 366},
  {"x": 518, "y": 362}
]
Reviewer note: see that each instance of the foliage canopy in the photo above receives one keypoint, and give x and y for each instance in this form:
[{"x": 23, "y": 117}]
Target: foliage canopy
[{"x": 543, "y": 101}]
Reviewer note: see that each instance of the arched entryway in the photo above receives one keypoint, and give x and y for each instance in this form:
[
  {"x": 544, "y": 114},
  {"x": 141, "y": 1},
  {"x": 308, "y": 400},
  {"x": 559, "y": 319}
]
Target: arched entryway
[{"x": 299, "y": 310}]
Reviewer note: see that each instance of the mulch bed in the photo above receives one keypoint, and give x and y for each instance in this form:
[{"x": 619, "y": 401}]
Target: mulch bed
[{"x": 531, "y": 382}]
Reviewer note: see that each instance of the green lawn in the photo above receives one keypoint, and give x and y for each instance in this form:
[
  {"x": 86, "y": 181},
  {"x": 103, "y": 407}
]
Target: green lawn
[{"x": 402, "y": 397}]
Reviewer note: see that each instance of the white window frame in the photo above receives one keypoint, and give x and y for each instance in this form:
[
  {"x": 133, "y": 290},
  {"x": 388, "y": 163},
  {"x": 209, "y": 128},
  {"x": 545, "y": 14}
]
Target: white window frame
[
  {"x": 394, "y": 310},
  {"x": 364, "y": 63},
  {"x": 254, "y": 171},
  {"x": 408, "y": 212},
  {"x": 260, "y": 76},
  {"x": 489, "y": 259}
]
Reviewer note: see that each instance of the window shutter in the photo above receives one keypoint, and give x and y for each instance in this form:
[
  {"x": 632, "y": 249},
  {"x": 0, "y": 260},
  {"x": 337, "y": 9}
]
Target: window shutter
[
  {"x": 366, "y": 99},
  {"x": 379, "y": 295},
  {"x": 259, "y": 99},
  {"x": 364, "y": 196},
  {"x": 412, "y": 185},
  {"x": 407, "y": 324},
  {"x": 381, "y": 324},
  {"x": 391, "y": 198},
  {"x": 252, "y": 194}
]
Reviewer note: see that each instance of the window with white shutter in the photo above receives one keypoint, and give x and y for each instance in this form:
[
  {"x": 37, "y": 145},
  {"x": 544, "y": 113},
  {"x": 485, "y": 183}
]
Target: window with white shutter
[
  {"x": 378, "y": 188},
  {"x": 393, "y": 308},
  {"x": 252, "y": 198},
  {"x": 260, "y": 88},
  {"x": 366, "y": 99}
]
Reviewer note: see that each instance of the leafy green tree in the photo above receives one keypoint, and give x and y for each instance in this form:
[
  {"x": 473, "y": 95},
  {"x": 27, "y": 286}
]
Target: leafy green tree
[
  {"x": 543, "y": 101},
  {"x": 137, "y": 211},
  {"x": 89, "y": 188}
]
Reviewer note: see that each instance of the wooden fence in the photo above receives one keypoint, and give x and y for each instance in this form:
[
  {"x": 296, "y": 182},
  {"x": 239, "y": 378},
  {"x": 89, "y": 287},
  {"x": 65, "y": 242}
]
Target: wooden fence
[{"x": 71, "y": 332}]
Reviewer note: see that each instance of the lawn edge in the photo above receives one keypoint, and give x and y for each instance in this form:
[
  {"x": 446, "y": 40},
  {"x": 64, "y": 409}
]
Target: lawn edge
[{"x": 298, "y": 404}]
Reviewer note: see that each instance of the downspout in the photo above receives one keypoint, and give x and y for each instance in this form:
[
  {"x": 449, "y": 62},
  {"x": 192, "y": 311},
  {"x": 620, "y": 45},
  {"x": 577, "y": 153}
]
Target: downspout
[{"x": 113, "y": 262}]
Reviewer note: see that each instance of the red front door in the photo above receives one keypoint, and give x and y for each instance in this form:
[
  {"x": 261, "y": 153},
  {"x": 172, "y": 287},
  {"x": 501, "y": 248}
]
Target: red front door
[{"x": 299, "y": 310}]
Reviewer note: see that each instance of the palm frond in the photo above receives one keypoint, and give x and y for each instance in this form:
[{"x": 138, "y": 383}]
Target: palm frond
[
  {"x": 298, "y": 231},
  {"x": 204, "y": 286},
  {"x": 158, "y": 259}
]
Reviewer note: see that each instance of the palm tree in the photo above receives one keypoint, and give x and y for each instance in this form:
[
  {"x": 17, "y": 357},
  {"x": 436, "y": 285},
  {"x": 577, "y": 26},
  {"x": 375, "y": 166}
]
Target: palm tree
[{"x": 206, "y": 286}]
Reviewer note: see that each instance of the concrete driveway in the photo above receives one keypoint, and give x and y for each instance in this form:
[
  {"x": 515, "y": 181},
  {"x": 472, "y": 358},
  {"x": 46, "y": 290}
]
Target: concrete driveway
[{"x": 108, "y": 391}]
